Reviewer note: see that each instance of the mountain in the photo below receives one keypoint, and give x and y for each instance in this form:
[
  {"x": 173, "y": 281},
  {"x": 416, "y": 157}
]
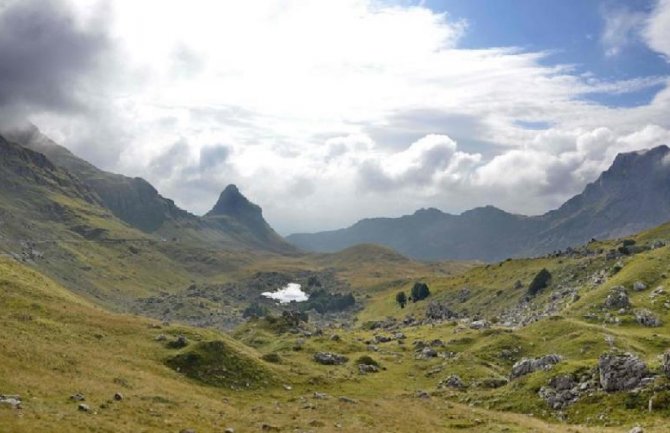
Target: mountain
[
  {"x": 234, "y": 213},
  {"x": 632, "y": 195},
  {"x": 136, "y": 202}
]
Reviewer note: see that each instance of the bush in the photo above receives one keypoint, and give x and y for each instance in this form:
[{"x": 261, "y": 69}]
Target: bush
[
  {"x": 420, "y": 291},
  {"x": 401, "y": 299},
  {"x": 255, "y": 310},
  {"x": 271, "y": 357},
  {"x": 367, "y": 360},
  {"x": 323, "y": 301},
  {"x": 540, "y": 281}
]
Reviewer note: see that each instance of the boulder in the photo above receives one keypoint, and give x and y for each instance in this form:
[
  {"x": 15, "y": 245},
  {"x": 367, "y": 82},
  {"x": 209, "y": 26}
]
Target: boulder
[
  {"x": 621, "y": 372},
  {"x": 13, "y": 401},
  {"x": 617, "y": 298},
  {"x": 530, "y": 365},
  {"x": 367, "y": 368},
  {"x": 83, "y": 407},
  {"x": 453, "y": 381},
  {"x": 480, "y": 324},
  {"x": 647, "y": 318},
  {"x": 639, "y": 286},
  {"x": 427, "y": 352},
  {"x": 328, "y": 358},
  {"x": 439, "y": 311}
]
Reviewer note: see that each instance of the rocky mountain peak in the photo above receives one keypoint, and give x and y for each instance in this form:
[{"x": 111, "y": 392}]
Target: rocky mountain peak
[{"x": 232, "y": 203}]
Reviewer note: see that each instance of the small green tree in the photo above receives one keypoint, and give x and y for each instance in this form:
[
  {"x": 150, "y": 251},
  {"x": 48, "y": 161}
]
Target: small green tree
[
  {"x": 420, "y": 291},
  {"x": 540, "y": 281},
  {"x": 401, "y": 299}
]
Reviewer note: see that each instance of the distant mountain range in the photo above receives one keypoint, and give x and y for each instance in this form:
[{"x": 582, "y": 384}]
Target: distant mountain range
[
  {"x": 234, "y": 222},
  {"x": 632, "y": 195}
]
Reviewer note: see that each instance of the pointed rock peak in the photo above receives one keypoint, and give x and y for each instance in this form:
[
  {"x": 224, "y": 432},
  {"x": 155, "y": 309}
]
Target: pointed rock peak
[{"x": 232, "y": 202}]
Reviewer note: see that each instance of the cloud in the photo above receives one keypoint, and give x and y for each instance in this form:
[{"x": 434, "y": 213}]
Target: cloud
[
  {"x": 322, "y": 112},
  {"x": 47, "y": 52},
  {"x": 622, "y": 29},
  {"x": 657, "y": 31}
]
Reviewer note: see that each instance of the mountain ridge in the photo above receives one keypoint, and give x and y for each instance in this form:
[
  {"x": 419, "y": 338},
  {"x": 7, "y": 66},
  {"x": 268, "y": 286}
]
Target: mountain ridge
[{"x": 628, "y": 197}]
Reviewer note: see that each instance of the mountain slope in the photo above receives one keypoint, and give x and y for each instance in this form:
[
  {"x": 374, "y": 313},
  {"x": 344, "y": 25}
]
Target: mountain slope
[
  {"x": 634, "y": 194},
  {"x": 138, "y": 203}
]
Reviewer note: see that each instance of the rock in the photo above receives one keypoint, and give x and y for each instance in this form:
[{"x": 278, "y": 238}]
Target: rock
[
  {"x": 646, "y": 318},
  {"x": 269, "y": 427},
  {"x": 636, "y": 429},
  {"x": 367, "y": 368},
  {"x": 453, "y": 381},
  {"x": 427, "y": 352},
  {"x": 83, "y": 407},
  {"x": 617, "y": 298},
  {"x": 480, "y": 324},
  {"x": 229, "y": 430},
  {"x": 320, "y": 395},
  {"x": 439, "y": 311},
  {"x": 399, "y": 336},
  {"x": 437, "y": 343},
  {"x": 335, "y": 337},
  {"x": 530, "y": 365},
  {"x": 316, "y": 423},
  {"x": 161, "y": 337},
  {"x": 328, "y": 358},
  {"x": 13, "y": 401},
  {"x": 665, "y": 363},
  {"x": 77, "y": 397},
  {"x": 178, "y": 343},
  {"x": 381, "y": 339},
  {"x": 118, "y": 396},
  {"x": 422, "y": 394},
  {"x": 639, "y": 286},
  {"x": 621, "y": 372}
]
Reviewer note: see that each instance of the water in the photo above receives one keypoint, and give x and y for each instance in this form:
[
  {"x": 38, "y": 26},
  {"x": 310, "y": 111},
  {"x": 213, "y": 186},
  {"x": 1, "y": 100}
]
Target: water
[{"x": 291, "y": 292}]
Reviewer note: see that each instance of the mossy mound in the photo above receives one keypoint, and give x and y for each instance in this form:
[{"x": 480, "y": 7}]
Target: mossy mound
[{"x": 216, "y": 363}]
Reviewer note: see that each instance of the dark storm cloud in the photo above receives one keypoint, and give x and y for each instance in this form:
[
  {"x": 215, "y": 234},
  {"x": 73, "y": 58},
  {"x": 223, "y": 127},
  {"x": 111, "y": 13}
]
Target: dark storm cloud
[
  {"x": 212, "y": 156},
  {"x": 175, "y": 156},
  {"x": 44, "y": 55}
]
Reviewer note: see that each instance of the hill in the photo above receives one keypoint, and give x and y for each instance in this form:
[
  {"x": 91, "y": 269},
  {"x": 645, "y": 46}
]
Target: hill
[{"x": 632, "y": 195}]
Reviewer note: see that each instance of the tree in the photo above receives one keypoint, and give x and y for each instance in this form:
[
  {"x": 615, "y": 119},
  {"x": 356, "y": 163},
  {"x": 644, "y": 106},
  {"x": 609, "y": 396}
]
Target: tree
[
  {"x": 420, "y": 291},
  {"x": 401, "y": 299},
  {"x": 540, "y": 281}
]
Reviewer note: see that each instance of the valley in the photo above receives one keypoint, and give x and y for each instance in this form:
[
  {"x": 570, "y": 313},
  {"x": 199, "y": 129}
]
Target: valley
[{"x": 110, "y": 324}]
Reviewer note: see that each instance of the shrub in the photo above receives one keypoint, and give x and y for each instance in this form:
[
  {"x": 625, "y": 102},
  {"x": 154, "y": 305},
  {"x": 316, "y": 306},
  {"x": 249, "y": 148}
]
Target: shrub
[
  {"x": 420, "y": 291},
  {"x": 401, "y": 299},
  {"x": 540, "y": 281},
  {"x": 367, "y": 360},
  {"x": 271, "y": 357},
  {"x": 255, "y": 310}
]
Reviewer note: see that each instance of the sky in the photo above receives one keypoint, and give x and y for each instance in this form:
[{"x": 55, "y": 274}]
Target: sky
[{"x": 328, "y": 112}]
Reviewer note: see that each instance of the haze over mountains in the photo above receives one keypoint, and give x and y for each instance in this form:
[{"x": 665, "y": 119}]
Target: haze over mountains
[{"x": 632, "y": 195}]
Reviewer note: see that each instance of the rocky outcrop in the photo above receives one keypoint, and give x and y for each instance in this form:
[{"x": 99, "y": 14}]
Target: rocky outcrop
[
  {"x": 617, "y": 299},
  {"x": 646, "y": 318},
  {"x": 439, "y": 311},
  {"x": 621, "y": 372},
  {"x": 453, "y": 381},
  {"x": 328, "y": 358},
  {"x": 529, "y": 365},
  {"x": 562, "y": 391}
]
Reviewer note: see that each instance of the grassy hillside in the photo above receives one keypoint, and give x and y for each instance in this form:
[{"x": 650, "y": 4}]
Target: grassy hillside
[{"x": 55, "y": 345}]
